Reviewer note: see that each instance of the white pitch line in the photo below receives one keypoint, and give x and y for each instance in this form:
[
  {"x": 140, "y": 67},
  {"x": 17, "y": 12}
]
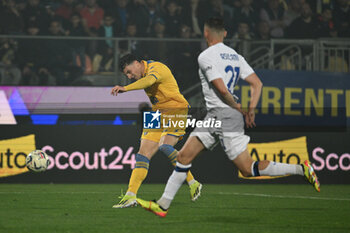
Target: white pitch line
[
  {"x": 283, "y": 196},
  {"x": 55, "y": 192},
  {"x": 220, "y": 193}
]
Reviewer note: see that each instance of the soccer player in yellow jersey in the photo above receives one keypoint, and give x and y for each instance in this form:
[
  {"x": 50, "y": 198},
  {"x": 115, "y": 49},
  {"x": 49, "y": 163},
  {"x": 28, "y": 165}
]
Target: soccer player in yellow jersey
[{"x": 161, "y": 88}]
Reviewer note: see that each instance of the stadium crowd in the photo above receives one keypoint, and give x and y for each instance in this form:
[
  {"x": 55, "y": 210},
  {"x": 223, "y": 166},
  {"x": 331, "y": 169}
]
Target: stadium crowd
[{"x": 57, "y": 61}]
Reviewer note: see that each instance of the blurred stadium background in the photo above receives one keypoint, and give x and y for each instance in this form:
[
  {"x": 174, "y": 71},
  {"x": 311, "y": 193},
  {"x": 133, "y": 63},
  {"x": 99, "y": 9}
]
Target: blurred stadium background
[{"x": 58, "y": 62}]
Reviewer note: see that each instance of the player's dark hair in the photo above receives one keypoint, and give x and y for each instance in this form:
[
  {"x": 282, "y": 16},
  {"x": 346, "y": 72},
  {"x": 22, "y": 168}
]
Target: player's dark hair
[
  {"x": 215, "y": 23},
  {"x": 127, "y": 60}
]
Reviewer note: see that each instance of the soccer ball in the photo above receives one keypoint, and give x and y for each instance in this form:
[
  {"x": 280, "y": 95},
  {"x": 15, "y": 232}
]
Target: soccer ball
[{"x": 37, "y": 161}]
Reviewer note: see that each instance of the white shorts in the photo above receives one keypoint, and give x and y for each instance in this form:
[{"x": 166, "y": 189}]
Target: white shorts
[{"x": 230, "y": 135}]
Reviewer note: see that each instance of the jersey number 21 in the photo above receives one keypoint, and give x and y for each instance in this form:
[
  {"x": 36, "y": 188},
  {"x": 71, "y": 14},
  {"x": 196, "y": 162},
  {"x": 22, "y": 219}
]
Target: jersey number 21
[{"x": 234, "y": 77}]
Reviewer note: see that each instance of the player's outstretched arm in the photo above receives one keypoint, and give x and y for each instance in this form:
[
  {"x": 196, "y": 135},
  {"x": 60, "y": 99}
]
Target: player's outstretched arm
[
  {"x": 138, "y": 85},
  {"x": 117, "y": 89},
  {"x": 255, "y": 92},
  {"x": 142, "y": 83},
  {"x": 225, "y": 94}
]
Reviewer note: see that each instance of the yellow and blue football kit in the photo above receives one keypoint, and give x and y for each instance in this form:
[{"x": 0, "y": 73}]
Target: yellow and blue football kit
[{"x": 164, "y": 94}]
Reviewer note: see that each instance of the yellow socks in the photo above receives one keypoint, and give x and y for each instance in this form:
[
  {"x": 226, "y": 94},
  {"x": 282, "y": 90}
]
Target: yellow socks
[{"x": 139, "y": 173}]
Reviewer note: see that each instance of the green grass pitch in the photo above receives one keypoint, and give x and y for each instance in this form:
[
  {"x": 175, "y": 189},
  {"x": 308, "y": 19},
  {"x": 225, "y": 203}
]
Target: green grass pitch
[{"x": 221, "y": 208}]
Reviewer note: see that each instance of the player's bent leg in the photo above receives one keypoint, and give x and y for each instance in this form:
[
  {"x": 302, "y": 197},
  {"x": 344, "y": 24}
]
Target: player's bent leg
[
  {"x": 126, "y": 201},
  {"x": 188, "y": 152},
  {"x": 166, "y": 146},
  {"x": 172, "y": 153},
  {"x": 147, "y": 149},
  {"x": 249, "y": 167},
  {"x": 280, "y": 169},
  {"x": 168, "y": 149},
  {"x": 271, "y": 168},
  {"x": 310, "y": 175},
  {"x": 195, "y": 190},
  {"x": 153, "y": 207},
  {"x": 139, "y": 173},
  {"x": 243, "y": 162}
]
